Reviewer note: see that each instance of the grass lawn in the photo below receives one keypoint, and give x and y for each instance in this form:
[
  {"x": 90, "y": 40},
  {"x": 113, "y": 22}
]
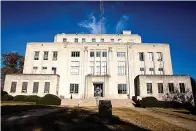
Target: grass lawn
[
  {"x": 178, "y": 112},
  {"x": 86, "y": 118}
]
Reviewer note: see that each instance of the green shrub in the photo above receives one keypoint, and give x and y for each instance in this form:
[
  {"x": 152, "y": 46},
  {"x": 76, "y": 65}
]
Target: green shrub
[
  {"x": 20, "y": 98},
  {"x": 49, "y": 99},
  {"x": 32, "y": 98},
  {"x": 6, "y": 97},
  {"x": 149, "y": 102},
  {"x": 3, "y": 93}
]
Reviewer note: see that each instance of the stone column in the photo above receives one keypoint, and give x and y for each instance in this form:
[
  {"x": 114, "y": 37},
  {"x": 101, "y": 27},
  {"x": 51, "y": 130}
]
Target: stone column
[
  {"x": 110, "y": 73},
  {"x": 85, "y": 71}
]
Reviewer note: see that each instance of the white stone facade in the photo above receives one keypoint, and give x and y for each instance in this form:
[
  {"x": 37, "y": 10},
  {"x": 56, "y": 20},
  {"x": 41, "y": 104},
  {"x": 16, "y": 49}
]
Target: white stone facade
[{"x": 114, "y": 65}]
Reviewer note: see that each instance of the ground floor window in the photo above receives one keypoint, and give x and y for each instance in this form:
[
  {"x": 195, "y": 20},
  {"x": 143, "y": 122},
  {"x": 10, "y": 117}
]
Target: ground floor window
[
  {"x": 47, "y": 87},
  {"x": 13, "y": 87},
  {"x": 35, "y": 87},
  {"x": 24, "y": 87},
  {"x": 171, "y": 87},
  {"x": 122, "y": 88},
  {"x": 149, "y": 88},
  {"x": 74, "y": 88},
  {"x": 160, "y": 87},
  {"x": 182, "y": 87}
]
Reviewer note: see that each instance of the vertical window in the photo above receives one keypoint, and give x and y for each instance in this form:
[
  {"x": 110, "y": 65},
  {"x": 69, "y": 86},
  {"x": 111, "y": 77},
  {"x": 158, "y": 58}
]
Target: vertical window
[
  {"x": 150, "y": 56},
  {"x": 13, "y": 87},
  {"x": 44, "y": 70},
  {"x": 76, "y": 40},
  {"x": 55, "y": 54},
  {"x": 121, "y": 68},
  {"x": 34, "y": 70},
  {"x": 75, "y": 67},
  {"x": 104, "y": 67},
  {"x": 122, "y": 88},
  {"x": 92, "y": 67},
  {"x": 74, "y": 88},
  {"x": 149, "y": 88},
  {"x": 24, "y": 87},
  {"x": 98, "y": 54},
  {"x": 45, "y": 55},
  {"x": 104, "y": 54},
  {"x": 64, "y": 39},
  {"x": 160, "y": 71},
  {"x": 141, "y": 56},
  {"x": 151, "y": 70},
  {"x": 159, "y": 56},
  {"x": 35, "y": 87},
  {"x": 98, "y": 67},
  {"x": 102, "y": 40},
  {"x": 53, "y": 70},
  {"x": 47, "y": 87},
  {"x": 171, "y": 87},
  {"x": 119, "y": 39},
  {"x": 36, "y": 56},
  {"x": 160, "y": 87},
  {"x": 75, "y": 54},
  {"x": 120, "y": 54},
  {"x": 142, "y": 71},
  {"x": 92, "y": 53},
  {"x": 182, "y": 87},
  {"x": 83, "y": 40},
  {"x": 112, "y": 40},
  {"x": 93, "y": 40}
]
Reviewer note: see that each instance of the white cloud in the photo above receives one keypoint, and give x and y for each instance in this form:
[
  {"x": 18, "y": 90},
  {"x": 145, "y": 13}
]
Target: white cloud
[
  {"x": 121, "y": 24},
  {"x": 92, "y": 24}
]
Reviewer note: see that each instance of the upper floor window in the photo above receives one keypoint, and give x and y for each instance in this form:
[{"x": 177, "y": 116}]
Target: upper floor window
[
  {"x": 92, "y": 53},
  {"x": 120, "y": 54},
  {"x": 141, "y": 56},
  {"x": 53, "y": 70},
  {"x": 149, "y": 88},
  {"x": 160, "y": 71},
  {"x": 55, "y": 54},
  {"x": 64, "y": 39},
  {"x": 182, "y": 87},
  {"x": 35, "y": 87},
  {"x": 121, "y": 68},
  {"x": 151, "y": 70},
  {"x": 74, "y": 88},
  {"x": 98, "y": 54},
  {"x": 122, "y": 88},
  {"x": 171, "y": 87},
  {"x": 112, "y": 40},
  {"x": 24, "y": 87},
  {"x": 44, "y": 70},
  {"x": 142, "y": 71},
  {"x": 76, "y": 40},
  {"x": 102, "y": 40},
  {"x": 93, "y": 40},
  {"x": 47, "y": 87},
  {"x": 119, "y": 39},
  {"x": 104, "y": 54},
  {"x": 13, "y": 87},
  {"x": 36, "y": 56},
  {"x": 159, "y": 56},
  {"x": 45, "y": 55},
  {"x": 35, "y": 69},
  {"x": 75, "y": 54},
  {"x": 160, "y": 87},
  {"x": 83, "y": 40},
  {"x": 150, "y": 56},
  {"x": 75, "y": 67}
]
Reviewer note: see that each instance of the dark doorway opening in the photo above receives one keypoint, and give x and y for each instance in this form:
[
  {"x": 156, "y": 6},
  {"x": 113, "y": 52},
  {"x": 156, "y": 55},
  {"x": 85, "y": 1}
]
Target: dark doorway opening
[{"x": 98, "y": 87}]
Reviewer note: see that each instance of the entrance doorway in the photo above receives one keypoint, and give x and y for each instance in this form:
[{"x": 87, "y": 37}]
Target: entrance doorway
[{"x": 98, "y": 89}]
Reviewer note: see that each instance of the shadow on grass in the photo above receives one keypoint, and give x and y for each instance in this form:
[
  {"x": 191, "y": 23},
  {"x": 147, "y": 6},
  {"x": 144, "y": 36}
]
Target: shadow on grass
[{"x": 73, "y": 119}]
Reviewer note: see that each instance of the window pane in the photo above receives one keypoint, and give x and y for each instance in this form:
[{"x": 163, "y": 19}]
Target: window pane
[
  {"x": 98, "y": 54},
  {"x": 149, "y": 88},
  {"x": 171, "y": 87},
  {"x": 24, "y": 87},
  {"x": 13, "y": 87},
  {"x": 92, "y": 54},
  {"x": 122, "y": 89},
  {"x": 45, "y": 55},
  {"x": 160, "y": 87},
  {"x": 35, "y": 87},
  {"x": 104, "y": 54},
  {"x": 36, "y": 56},
  {"x": 55, "y": 55},
  {"x": 141, "y": 56},
  {"x": 182, "y": 87},
  {"x": 47, "y": 87}
]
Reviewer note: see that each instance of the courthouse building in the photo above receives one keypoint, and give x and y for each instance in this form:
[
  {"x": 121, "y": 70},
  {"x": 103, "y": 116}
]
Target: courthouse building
[{"x": 119, "y": 66}]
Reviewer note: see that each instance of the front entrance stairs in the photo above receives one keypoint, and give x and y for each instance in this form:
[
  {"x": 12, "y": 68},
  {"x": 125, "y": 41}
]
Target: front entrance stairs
[{"x": 92, "y": 102}]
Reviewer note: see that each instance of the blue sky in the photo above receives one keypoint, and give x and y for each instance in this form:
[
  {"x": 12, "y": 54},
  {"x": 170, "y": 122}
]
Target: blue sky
[{"x": 157, "y": 22}]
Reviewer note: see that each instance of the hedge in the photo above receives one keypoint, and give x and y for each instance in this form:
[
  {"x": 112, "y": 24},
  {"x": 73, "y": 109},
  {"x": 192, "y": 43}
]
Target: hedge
[
  {"x": 3, "y": 93},
  {"x": 6, "y": 97},
  {"x": 20, "y": 98},
  {"x": 49, "y": 99}
]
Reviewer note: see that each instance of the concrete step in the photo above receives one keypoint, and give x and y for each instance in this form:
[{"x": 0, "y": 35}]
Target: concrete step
[{"x": 92, "y": 102}]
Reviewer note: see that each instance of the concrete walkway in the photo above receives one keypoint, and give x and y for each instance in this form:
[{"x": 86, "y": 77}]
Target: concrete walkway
[{"x": 174, "y": 119}]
